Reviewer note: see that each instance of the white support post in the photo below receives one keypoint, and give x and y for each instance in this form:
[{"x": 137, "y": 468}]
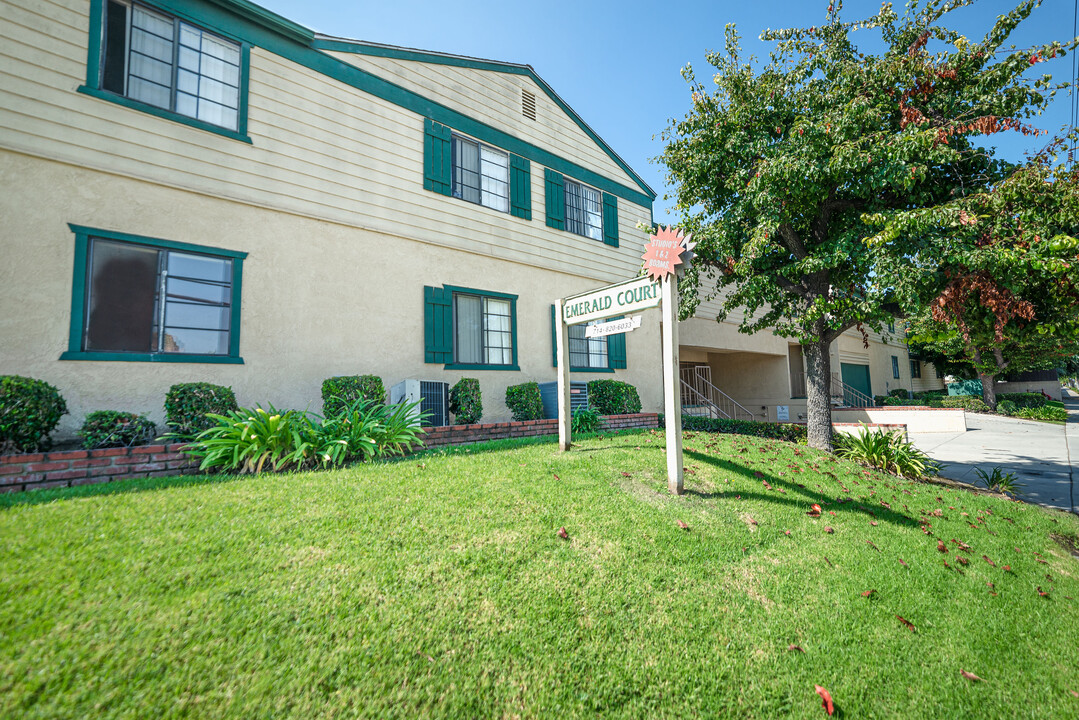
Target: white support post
[
  {"x": 565, "y": 418},
  {"x": 672, "y": 391}
]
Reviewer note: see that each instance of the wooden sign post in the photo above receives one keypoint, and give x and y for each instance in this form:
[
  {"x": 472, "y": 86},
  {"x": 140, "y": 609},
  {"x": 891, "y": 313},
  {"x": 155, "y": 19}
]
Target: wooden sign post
[{"x": 666, "y": 250}]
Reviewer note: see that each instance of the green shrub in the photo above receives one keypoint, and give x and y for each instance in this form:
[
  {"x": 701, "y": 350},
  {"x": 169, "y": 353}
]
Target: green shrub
[
  {"x": 890, "y": 452},
  {"x": 29, "y": 411},
  {"x": 1023, "y": 400},
  {"x": 189, "y": 405},
  {"x": 927, "y": 394},
  {"x": 880, "y": 400},
  {"x": 341, "y": 391},
  {"x": 113, "y": 428},
  {"x": 900, "y": 393},
  {"x": 1006, "y": 407},
  {"x": 465, "y": 401},
  {"x": 970, "y": 403},
  {"x": 774, "y": 431},
  {"x": 1046, "y": 412},
  {"x": 524, "y": 401},
  {"x": 998, "y": 480},
  {"x": 613, "y": 397},
  {"x": 586, "y": 420}
]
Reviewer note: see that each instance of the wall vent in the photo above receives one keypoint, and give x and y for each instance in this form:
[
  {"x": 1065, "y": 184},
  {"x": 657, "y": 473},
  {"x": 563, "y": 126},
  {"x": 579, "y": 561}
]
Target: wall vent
[{"x": 528, "y": 104}]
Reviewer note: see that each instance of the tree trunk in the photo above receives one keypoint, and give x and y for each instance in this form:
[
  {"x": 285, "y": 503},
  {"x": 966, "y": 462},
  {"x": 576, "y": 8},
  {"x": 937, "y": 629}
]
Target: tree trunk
[
  {"x": 818, "y": 394},
  {"x": 989, "y": 390}
]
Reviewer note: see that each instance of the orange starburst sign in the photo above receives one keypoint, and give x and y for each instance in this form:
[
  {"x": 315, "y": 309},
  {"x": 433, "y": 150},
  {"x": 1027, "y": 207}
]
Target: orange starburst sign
[{"x": 664, "y": 252}]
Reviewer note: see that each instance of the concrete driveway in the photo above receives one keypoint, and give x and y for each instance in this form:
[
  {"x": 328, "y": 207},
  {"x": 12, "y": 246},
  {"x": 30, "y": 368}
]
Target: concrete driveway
[{"x": 1043, "y": 456}]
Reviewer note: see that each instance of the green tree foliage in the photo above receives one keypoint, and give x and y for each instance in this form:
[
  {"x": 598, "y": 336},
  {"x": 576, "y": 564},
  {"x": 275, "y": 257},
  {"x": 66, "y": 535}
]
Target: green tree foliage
[
  {"x": 1003, "y": 294},
  {"x": 783, "y": 170}
]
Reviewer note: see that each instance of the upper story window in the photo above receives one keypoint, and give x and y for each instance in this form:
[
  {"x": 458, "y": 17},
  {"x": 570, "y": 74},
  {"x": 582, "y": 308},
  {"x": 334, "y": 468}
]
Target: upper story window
[
  {"x": 915, "y": 368},
  {"x": 583, "y": 210},
  {"x": 481, "y": 174},
  {"x": 146, "y": 59},
  {"x": 145, "y": 299},
  {"x": 895, "y": 367}
]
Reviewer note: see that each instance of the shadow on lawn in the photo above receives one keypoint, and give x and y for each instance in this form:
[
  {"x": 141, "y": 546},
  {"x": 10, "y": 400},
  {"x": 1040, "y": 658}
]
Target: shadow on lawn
[
  {"x": 809, "y": 496},
  {"x": 120, "y": 487}
]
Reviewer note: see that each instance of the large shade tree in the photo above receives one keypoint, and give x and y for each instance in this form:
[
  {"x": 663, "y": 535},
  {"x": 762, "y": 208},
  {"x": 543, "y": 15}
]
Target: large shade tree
[
  {"x": 1005, "y": 287},
  {"x": 783, "y": 170}
]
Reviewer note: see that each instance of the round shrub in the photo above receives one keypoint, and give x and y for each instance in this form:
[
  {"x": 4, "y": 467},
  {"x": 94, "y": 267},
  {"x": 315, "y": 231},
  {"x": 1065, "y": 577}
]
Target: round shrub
[
  {"x": 524, "y": 401},
  {"x": 338, "y": 393},
  {"x": 29, "y": 411},
  {"x": 969, "y": 403},
  {"x": 613, "y": 397},
  {"x": 900, "y": 393},
  {"x": 1006, "y": 407},
  {"x": 187, "y": 404},
  {"x": 465, "y": 402},
  {"x": 113, "y": 428}
]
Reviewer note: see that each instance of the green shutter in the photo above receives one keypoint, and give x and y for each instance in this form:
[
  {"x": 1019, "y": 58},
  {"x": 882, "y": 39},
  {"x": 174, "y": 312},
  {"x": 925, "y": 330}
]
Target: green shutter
[
  {"x": 437, "y": 325},
  {"x": 554, "y": 339},
  {"x": 556, "y": 199},
  {"x": 610, "y": 220},
  {"x": 616, "y": 351},
  {"x": 436, "y": 157},
  {"x": 520, "y": 187}
]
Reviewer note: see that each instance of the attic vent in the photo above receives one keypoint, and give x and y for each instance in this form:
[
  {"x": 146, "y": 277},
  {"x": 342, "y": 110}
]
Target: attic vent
[{"x": 528, "y": 104}]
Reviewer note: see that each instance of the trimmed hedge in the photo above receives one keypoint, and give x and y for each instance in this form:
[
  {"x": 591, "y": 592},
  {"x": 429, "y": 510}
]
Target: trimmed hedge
[
  {"x": 613, "y": 397},
  {"x": 1007, "y": 407},
  {"x": 1023, "y": 400},
  {"x": 29, "y": 411},
  {"x": 524, "y": 401},
  {"x": 773, "y": 431},
  {"x": 466, "y": 403},
  {"x": 970, "y": 403},
  {"x": 114, "y": 428},
  {"x": 186, "y": 406},
  {"x": 341, "y": 391}
]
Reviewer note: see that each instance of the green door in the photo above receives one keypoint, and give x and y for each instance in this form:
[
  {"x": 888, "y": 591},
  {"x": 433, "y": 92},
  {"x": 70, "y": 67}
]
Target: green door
[{"x": 857, "y": 377}]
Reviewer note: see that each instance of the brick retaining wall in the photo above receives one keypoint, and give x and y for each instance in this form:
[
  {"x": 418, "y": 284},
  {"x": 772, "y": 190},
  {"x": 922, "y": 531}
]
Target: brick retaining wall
[{"x": 85, "y": 467}]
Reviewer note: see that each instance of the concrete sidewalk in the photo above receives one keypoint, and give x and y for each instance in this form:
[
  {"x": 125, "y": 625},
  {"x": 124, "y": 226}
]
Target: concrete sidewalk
[{"x": 1043, "y": 456}]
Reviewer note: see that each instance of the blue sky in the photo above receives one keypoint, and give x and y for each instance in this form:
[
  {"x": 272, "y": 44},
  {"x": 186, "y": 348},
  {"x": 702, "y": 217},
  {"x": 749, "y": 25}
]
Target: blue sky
[{"x": 617, "y": 63}]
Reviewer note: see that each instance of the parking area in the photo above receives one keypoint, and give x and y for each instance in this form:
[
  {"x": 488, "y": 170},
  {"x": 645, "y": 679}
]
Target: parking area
[{"x": 1042, "y": 455}]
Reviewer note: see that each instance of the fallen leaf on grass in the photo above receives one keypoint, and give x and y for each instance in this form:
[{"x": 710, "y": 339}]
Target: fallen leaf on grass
[
  {"x": 826, "y": 699},
  {"x": 970, "y": 676},
  {"x": 870, "y": 544},
  {"x": 867, "y": 593},
  {"x": 828, "y": 561},
  {"x": 683, "y": 525},
  {"x": 814, "y": 510},
  {"x": 908, "y": 623},
  {"x": 941, "y": 546},
  {"x": 961, "y": 560},
  {"x": 1041, "y": 592},
  {"x": 787, "y": 532},
  {"x": 874, "y": 523},
  {"x": 1007, "y": 568},
  {"x": 563, "y": 534},
  {"x": 903, "y": 563},
  {"x": 556, "y": 477},
  {"x": 796, "y": 648},
  {"x": 626, "y": 474},
  {"x": 829, "y": 530},
  {"x": 1076, "y": 694},
  {"x": 986, "y": 558}
]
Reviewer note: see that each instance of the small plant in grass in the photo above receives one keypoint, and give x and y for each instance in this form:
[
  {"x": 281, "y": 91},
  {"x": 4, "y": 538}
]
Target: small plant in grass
[
  {"x": 586, "y": 420},
  {"x": 465, "y": 401},
  {"x": 113, "y": 428},
  {"x": 189, "y": 405},
  {"x": 29, "y": 411},
  {"x": 999, "y": 480},
  {"x": 339, "y": 392},
  {"x": 613, "y": 397},
  {"x": 890, "y": 452},
  {"x": 524, "y": 401}
]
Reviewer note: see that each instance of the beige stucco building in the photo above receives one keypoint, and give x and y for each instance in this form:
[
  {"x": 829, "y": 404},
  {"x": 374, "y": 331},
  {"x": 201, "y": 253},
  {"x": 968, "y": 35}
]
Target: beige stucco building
[{"x": 201, "y": 190}]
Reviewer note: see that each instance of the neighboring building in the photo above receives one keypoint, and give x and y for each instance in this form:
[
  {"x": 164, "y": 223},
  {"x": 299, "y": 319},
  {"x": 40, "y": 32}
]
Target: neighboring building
[{"x": 201, "y": 190}]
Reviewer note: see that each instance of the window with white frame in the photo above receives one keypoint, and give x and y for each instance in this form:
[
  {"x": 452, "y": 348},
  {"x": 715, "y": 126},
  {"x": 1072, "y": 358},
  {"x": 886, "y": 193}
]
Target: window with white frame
[
  {"x": 483, "y": 330},
  {"x": 586, "y": 352},
  {"x": 584, "y": 210},
  {"x": 167, "y": 63},
  {"x": 481, "y": 174}
]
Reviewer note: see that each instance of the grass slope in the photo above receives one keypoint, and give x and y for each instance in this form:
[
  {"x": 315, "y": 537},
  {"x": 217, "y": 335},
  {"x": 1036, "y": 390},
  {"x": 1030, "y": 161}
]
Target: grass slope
[{"x": 438, "y": 587}]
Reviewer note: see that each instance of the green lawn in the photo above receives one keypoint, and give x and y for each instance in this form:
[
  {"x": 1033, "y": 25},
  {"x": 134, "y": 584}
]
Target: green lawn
[{"x": 439, "y": 587}]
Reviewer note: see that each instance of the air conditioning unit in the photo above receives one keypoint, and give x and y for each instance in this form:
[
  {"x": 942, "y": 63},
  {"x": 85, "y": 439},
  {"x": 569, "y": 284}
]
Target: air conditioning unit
[
  {"x": 578, "y": 397},
  {"x": 433, "y": 397}
]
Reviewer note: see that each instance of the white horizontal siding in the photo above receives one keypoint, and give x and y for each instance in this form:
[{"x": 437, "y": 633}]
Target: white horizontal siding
[{"x": 320, "y": 149}]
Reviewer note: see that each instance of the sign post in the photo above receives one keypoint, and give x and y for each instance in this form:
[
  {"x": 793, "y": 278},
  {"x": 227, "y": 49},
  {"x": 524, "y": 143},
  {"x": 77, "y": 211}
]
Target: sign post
[{"x": 666, "y": 250}]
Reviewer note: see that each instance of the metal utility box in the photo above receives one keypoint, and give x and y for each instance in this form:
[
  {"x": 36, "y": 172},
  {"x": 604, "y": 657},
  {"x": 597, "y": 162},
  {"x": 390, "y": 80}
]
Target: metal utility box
[{"x": 578, "y": 397}]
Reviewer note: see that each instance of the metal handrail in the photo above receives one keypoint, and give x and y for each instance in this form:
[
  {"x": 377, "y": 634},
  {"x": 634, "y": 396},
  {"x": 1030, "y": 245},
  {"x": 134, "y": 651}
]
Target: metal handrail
[
  {"x": 843, "y": 395},
  {"x": 697, "y": 390}
]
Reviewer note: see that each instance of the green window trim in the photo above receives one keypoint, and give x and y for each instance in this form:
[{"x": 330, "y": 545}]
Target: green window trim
[
  {"x": 438, "y": 326},
  {"x": 77, "y": 324},
  {"x": 180, "y": 10},
  {"x": 616, "y": 350}
]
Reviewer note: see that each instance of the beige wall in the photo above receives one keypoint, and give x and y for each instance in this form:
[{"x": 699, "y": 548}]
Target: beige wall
[
  {"x": 319, "y": 298},
  {"x": 916, "y": 419}
]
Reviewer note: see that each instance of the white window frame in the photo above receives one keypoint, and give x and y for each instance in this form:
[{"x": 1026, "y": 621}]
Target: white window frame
[
  {"x": 487, "y": 196},
  {"x": 581, "y": 224}
]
